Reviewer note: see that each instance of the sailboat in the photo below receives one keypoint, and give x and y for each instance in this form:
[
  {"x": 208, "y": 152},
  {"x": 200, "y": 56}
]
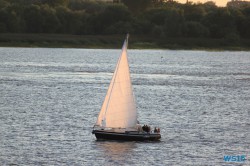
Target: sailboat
[{"x": 117, "y": 119}]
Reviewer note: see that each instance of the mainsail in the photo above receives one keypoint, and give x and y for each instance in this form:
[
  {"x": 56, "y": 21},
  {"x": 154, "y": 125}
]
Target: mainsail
[{"x": 119, "y": 109}]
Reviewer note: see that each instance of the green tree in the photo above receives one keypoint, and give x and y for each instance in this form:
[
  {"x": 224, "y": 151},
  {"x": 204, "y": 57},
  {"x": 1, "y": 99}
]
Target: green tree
[
  {"x": 158, "y": 31},
  {"x": 112, "y": 17},
  {"x": 173, "y": 23},
  {"x": 91, "y": 7},
  {"x": 33, "y": 18},
  {"x": 137, "y": 6},
  {"x": 10, "y": 19},
  {"x": 244, "y": 23},
  {"x": 195, "y": 29},
  {"x": 55, "y": 3},
  {"x": 220, "y": 23},
  {"x": 209, "y": 6},
  {"x": 3, "y": 18},
  {"x": 157, "y": 16},
  {"x": 50, "y": 22},
  {"x": 194, "y": 12},
  {"x": 4, "y": 4},
  {"x": 70, "y": 21},
  {"x": 142, "y": 25}
]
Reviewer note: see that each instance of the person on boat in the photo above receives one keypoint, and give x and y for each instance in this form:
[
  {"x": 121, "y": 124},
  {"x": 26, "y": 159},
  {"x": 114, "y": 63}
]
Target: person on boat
[
  {"x": 146, "y": 128},
  {"x": 155, "y": 130},
  {"x": 149, "y": 129}
]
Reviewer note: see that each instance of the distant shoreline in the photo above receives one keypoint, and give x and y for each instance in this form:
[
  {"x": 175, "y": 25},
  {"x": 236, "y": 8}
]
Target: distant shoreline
[{"x": 115, "y": 41}]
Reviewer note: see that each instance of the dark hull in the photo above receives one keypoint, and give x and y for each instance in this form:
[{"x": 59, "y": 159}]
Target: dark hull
[{"x": 127, "y": 136}]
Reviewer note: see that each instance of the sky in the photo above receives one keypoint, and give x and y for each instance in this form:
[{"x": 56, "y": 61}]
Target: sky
[{"x": 218, "y": 2}]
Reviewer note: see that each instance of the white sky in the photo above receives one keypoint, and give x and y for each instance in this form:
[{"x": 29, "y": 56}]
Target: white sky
[{"x": 218, "y": 2}]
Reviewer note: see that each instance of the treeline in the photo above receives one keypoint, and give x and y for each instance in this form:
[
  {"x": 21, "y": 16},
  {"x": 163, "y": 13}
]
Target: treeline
[{"x": 161, "y": 19}]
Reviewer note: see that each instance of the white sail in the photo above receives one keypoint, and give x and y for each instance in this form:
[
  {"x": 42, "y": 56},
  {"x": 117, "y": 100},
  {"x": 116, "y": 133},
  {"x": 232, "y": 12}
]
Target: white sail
[{"x": 119, "y": 109}]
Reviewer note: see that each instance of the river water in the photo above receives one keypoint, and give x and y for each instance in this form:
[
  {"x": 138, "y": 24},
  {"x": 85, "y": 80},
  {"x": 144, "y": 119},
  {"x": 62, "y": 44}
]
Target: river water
[{"x": 50, "y": 99}]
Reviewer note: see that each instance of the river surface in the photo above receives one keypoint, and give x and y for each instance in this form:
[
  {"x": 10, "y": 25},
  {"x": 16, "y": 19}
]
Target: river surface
[{"x": 50, "y": 100}]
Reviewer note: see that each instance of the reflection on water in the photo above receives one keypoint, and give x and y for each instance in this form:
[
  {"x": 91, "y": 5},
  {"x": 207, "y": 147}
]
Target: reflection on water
[{"x": 116, "y": 150}]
